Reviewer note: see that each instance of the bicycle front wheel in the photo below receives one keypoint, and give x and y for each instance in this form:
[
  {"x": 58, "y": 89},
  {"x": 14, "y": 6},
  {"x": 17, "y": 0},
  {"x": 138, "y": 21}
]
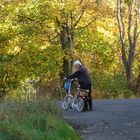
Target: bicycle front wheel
[
  {"x": 80, "y": 104},
  {"x": 66, "y": 103}
]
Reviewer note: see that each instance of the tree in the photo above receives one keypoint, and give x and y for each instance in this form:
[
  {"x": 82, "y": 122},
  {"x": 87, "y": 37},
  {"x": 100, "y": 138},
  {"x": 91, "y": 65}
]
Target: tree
[
  {"x": 8, "y": 70},
  {"x": 128, "y": 36},
  {"x": 73, "y": 12},
  {"x": 57, "y": 21}
]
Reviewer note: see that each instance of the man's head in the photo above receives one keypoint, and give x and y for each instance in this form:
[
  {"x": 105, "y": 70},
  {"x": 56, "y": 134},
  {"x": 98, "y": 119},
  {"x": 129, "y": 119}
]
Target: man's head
[{"x": 77, "y": 64}]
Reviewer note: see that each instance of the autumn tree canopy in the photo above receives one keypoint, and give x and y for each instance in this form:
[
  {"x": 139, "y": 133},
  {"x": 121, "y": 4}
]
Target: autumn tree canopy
[{"x": 39, "y": 39}]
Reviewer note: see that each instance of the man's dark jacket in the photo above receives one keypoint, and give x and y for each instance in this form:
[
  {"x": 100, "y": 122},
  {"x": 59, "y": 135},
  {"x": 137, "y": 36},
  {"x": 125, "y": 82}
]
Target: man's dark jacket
[{"x": 82, "y": 76}]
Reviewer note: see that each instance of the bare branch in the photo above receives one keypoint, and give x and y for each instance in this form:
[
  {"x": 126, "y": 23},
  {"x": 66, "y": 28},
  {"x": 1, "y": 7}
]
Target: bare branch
[
  {"x": 80, "y": 2},
  {"x": 94, "y": 19},
  {"x": 57, "y": 21},
  {"x": 55, "y": 36},
  {"x": 137, "y": 21},
  {"x": 82, "y": 12},
  {"x": 50, "y": 39},
  {"x": 122, "y": 31},
  {"x": 71, "y": 17},
  {"x": 130, "y": 22},
  {"x": 120, "y": 22},
  {"x": 80, "y": 17},
  {"x": 138, "y": 34}
]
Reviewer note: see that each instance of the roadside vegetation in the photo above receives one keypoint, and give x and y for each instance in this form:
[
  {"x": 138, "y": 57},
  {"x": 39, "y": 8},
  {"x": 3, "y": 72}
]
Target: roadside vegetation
[{"x": 34, "y": 121}]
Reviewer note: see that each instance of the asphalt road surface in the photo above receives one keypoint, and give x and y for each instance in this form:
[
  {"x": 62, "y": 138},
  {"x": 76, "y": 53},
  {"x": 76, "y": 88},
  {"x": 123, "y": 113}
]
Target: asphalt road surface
[{"x": 110, "y": 120}]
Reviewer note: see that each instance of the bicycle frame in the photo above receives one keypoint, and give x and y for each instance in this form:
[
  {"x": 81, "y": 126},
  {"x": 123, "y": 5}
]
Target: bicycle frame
[
  {"x": 67, "y": 87},
  {"x": 72, "y": 101}
]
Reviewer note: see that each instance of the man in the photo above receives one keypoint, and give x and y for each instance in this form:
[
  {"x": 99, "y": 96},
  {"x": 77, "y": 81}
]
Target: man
[{"x": 83, "y": 79}]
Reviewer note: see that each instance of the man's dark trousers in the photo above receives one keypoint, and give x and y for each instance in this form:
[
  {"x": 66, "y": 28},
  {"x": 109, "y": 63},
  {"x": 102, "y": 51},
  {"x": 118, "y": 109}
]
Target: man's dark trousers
[{"x": 88, "y": 87}]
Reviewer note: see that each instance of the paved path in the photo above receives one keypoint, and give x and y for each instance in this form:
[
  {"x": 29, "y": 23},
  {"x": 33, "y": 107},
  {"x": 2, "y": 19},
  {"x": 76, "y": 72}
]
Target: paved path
[{"x": 110, "y": 120}]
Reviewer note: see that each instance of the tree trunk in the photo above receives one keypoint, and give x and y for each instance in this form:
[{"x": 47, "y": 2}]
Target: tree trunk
[
  {"x": 137, "y": 87},
  {"x": 129, "y": 74},
  {"x": 66, "y": 38},
  {"x": 128, "y": 57},
  {"x": 67, "y": 29}
]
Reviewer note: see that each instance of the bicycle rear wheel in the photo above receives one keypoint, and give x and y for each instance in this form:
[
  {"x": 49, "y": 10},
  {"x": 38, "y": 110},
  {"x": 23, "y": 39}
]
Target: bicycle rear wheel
[
  {"x": 80, "y": 104},
  {"x": 66, "y": 103}
]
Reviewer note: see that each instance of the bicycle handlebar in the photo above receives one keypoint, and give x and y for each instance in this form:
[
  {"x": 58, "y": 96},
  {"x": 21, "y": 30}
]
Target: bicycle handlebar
[{"x": 65, "y": 79}]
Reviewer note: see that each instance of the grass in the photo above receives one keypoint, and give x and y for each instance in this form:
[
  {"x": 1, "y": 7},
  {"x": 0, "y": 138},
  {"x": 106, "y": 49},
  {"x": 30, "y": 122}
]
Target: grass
[{"x": 35, "y": 121}]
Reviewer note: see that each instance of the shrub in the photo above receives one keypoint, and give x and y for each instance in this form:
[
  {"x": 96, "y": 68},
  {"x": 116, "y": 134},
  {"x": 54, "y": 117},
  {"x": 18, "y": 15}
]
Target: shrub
[{"x": 107, "y": 86}]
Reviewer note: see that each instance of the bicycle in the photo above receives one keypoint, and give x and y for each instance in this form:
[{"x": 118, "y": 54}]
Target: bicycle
[{"x": 73, "y": 101}]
